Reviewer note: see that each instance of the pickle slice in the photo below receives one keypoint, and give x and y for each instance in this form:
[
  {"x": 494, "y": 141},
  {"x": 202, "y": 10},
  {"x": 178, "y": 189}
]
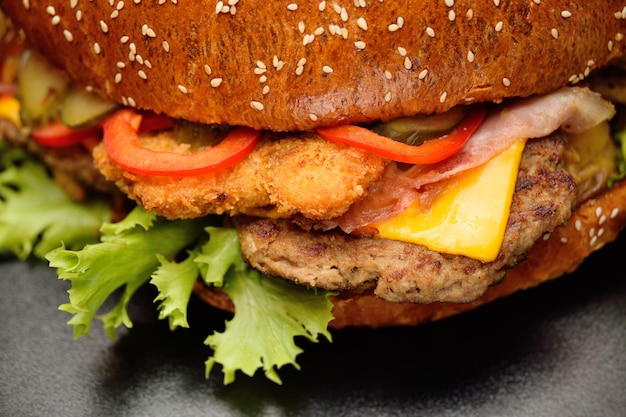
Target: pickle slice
[
  {"x": 40, "y": 89},
  {"x": 81, "y": 109},
  {"x": 416, "y": 129}
]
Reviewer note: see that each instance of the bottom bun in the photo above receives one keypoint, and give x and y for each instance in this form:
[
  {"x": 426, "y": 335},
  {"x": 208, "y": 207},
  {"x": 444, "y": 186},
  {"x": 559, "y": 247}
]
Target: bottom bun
[{"x": 592, "y": 225}]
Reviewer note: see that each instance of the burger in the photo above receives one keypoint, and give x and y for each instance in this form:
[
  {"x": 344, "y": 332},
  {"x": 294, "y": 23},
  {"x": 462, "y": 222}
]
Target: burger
[{"x": 308, "y": 165}]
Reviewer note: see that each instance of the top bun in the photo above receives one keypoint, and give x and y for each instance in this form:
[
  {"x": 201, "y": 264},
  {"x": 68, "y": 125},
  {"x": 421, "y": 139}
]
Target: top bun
[{"x": 294, "y": 65}]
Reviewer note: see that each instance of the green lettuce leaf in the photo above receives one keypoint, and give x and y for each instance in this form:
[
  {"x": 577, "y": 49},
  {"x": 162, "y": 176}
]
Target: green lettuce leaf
[
  {"x": 269, "y": 314},
  {"x": 175, "y": 284},
  {"x": 127, "y": 256},
  {"x": 35, "y": 216}
]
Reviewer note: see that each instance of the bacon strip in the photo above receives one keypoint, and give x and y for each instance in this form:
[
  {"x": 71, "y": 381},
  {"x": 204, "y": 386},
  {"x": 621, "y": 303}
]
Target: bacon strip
[{"x": 571, "y": 109}]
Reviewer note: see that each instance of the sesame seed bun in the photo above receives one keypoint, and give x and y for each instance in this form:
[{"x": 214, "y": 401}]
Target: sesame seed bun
[{"x": 307, "y": 64}]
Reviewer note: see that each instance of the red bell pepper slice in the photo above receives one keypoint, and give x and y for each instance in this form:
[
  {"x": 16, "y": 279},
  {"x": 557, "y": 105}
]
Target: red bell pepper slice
[
  {"x": 122, "y": 143},
  {"x": 56, "y": 134},
  {"x": 429, "y": 152}
]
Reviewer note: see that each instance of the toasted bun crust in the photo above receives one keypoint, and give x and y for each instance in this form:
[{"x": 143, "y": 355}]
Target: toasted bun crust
[
  {"x": 594, "y": 224},
  {"x": 297, "y": 65}
]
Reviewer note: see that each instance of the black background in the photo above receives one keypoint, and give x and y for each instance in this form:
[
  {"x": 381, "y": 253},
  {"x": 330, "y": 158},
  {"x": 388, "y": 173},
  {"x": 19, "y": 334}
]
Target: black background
[{"x": 557, "y": 350}]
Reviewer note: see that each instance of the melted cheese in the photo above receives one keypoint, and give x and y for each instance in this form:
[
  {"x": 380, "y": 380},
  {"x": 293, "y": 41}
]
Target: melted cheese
[{"x": 467, "y": 218}]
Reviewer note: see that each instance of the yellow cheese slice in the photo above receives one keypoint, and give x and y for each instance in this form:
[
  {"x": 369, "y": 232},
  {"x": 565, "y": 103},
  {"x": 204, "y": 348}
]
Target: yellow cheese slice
[{"x": 469, "y": 217}]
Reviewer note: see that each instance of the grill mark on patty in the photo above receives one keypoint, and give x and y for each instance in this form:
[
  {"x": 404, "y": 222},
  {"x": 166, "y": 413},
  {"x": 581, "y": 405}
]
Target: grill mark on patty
[{"x": 405, "y": 272}]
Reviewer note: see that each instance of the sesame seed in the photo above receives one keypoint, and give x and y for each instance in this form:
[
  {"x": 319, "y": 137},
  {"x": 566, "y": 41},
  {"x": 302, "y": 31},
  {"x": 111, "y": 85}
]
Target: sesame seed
[
  {"x": 292, "y": 7},
  {"x": 360, "y": 45},
  {"x": 506, "y": 82},
  {"x": 318, "y": 31},
  {"x": 118, "y": 78},
  {"x": 610, "y": 45},
  {"x": 142, "y": 74},
  {"x": 327, "y": 69},
  {"x": 79, "y": 15},
  {"x": 120, "y": 64},
  {"x": 362, "y": 23},
  {"x": 423, "y": 74},
  {"x": 593, "y": 241},
  {"x": 469, "y": 14},
  {"x": 302, "y": 62},
  {"x": 393, "y": 27},
  {"x": 313, "y": 117},
  {"x": 537, "y": 1},
  {"x": 449, "y": 3},
  {"x": 51, "y": 11},
  {"x": 73, "y": 3},
  {"x": 166, "y": 46},
  {"x": 388, "y": 96},
  {"x": 496, "y": 2},
  {"x": 299, "y": 69},
  {"x": 55, "y": 20},
  {"x": 443, "y": 97},
  {"x": 151, "y": 33},
  {"x": 566, "y": 14},
  {"x": 131, "y": 102},
  {"x": 104, "y": 27},
  {"x": 68, "y": 35},
  {"x": 546, "y": 236},
  {"x": 322, "y": 6},
  {"x": 307, "y": 39},
  {"x": 598, "y": 211},
  {"x": 114, "y": 14},
  {"x": 402, "y": 51},
  {"x": 262, "y": 79},
  {"x": 344, "y": 14},
  {"x": 451, "y": 15},
  {"x": 407, "y": 63},
  {"x": 602, "y": 220},
  {"x": 499, "y": 26},
  {"x": 216, "y": 82},
  {"x": 600, "y": 232},
  {"x": 578, "y": 225},
  {"x": 470, "y": 56},
  {"x": 614, "y": 213},
  {"x": 139, "y": 59},
  {"x": 257, "y": 105},
  {"x": 182, "y": 89},
  {"x": 26, "y": 4},
  {"x": 554, "y": 33},
  {"x": 124, "y": 39},
  {"x": 266, "y": 89},
  {"x": 619, "y": 37},
  {"x": 96, "y": 48},
  {"x": 430, "y": 32},
  {"x": 388, "y": 75},
  {"x": 564, "y": 240},
  {"x": 400, "y": 21}
]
